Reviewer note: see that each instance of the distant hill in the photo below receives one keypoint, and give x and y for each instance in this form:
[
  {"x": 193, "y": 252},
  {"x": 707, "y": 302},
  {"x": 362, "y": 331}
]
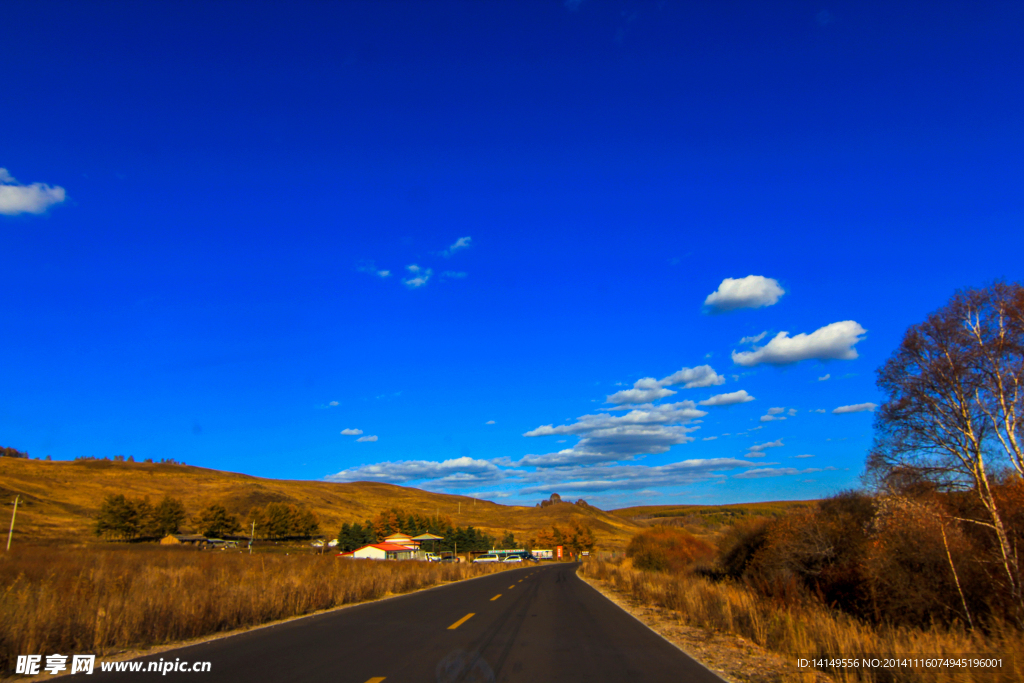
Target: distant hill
[{"x": 60, "y": 500}]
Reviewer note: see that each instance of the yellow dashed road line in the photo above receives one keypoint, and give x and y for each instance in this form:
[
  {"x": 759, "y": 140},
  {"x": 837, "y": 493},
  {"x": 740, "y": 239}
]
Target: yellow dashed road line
[
  {"x": 461, "y": 621},
  {"x": 496, "y": 597},
  {"x": 512, "y": 586},
  {"x": 378, "y": 679}
]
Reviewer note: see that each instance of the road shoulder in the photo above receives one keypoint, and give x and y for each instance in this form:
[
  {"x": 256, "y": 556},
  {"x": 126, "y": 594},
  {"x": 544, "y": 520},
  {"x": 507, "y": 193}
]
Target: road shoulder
[{"x": 732, "y": 657}]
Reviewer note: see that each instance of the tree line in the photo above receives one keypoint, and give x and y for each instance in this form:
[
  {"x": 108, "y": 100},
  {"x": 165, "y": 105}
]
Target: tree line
[{"x": 127, "y": 519}]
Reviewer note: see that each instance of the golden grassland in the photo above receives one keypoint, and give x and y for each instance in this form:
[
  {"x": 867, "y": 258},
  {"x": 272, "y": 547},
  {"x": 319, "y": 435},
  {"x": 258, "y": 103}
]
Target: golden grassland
[
  {"x": 60, "y": 500},
  {"x": 812, "y": 629},
  {"x": 102, "y": 600}
]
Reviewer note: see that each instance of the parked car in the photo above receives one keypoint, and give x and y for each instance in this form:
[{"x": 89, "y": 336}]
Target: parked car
[
  {"x": 489, "y": 557},
  {"x": 513, "y": 558},
  {"x": 433, "y": 557}
]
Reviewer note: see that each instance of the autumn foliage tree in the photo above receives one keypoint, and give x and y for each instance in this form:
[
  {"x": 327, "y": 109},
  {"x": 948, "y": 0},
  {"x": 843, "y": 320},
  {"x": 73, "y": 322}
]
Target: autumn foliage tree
[{"x": 575, "y": 537}]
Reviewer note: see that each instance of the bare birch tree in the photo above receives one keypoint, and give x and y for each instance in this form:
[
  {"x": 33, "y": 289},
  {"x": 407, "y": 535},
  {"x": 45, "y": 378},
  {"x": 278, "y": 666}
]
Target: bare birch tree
[
  {"x": 994, "y": 318},
  {"x": 953, "y": 396}
]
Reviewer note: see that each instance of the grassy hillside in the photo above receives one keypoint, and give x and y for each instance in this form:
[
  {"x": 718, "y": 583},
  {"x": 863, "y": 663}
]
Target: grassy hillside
[
  {"x": 60, "y": 499},
  {"x": 708, "y": 515}
]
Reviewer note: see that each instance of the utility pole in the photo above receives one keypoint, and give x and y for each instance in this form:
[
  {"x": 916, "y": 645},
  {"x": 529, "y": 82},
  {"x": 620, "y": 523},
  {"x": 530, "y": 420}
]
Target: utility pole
[
  {"x": 13, "y": 515},
  {"x": 252, "y": 536}
]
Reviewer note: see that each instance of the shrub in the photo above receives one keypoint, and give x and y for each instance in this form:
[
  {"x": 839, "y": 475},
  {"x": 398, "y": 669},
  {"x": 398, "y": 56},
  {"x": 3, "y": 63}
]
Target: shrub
[
  {"x": 667, "y": 549},
  {"x": 740, "y": 544}
]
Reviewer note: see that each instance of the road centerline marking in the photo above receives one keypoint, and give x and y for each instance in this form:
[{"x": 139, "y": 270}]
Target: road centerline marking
[
  {"x": 461, "y": 621},
  {"x": 496, "y": 597},
  {"x": 378, "y": 679},
  {"x": 512, "y": 586}
]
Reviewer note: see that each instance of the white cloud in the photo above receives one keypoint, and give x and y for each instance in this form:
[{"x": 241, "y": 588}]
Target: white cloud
[
  {"x": 753, "y": 340},
  {"x": 367, "y": 438},
  {"x": 805, "y": 455},
  {"x": 36, "y": 198},
  {"x": 694, "y": 378},
  {"x": 333, "y": 403},
  {"x": 774, "y": 414},
  {"x": 646, "y": 429},
  {"x": 753, "y": 291},
  {"x": 709, "y": 438},
  {"x": 596, "y": 478},
  {"x": 417, "y": 276},
  {"x": 644, "y": 390},
  {"x": 764, "y": 472},
  {"x": 792, "y": 411},
  {"x": 351, "y": 432},
  {"x": 461, "y": 243},
  {"x": 832, "y": 342},
  {"x": 856, "y": 408},
  {"x": 456, "y": 472},
  {"x": 369, "y": 267},
  {"x": 489, "y": 422},
  {"x": 825, "y": 377},
  {"x": 453, "y": 274},
  {"x": 757, "y": 448},
  {"x": 818, "y": 410},
  {"x": 729, "y": 399}
]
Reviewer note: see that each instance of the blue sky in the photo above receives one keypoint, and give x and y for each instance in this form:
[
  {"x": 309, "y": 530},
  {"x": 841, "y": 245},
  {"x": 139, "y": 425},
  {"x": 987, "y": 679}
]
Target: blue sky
[{"x": 201, "y": 201}]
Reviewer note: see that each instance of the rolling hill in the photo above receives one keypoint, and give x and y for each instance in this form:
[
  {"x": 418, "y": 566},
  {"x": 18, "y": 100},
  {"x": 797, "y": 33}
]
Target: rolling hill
[{"x": 60, "y": 500}]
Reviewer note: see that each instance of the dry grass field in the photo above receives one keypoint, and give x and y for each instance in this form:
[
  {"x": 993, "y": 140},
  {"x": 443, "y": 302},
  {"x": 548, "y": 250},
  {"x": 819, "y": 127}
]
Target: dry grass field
[
  {"x": 102, "y": 600},
  {"x": 812, "y": 629},
  {"x": 60, "y": 500}
]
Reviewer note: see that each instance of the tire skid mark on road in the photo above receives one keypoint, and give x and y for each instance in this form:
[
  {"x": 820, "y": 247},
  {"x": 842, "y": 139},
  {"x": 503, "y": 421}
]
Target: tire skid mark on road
[{"x": 513, "y": 616}]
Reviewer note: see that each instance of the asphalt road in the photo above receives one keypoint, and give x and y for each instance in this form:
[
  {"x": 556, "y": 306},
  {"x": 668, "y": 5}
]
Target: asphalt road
[{"x": 534, "y": 624}]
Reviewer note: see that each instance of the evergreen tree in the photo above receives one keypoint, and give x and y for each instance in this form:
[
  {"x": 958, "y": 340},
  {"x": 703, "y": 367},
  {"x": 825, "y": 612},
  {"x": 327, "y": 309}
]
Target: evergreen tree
[
  {"x": 168, "y": 516},
  {"x": 215, "y": 522},
  {"x": 124, "y": 518}
]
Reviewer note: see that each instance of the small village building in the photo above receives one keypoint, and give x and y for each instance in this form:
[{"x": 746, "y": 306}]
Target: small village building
[
  {"x": 402, "y": 539},
  {"x": 428, "y": 541},
  {"x": 184, "y": 539},
  {"x": 381, "y": 551}
]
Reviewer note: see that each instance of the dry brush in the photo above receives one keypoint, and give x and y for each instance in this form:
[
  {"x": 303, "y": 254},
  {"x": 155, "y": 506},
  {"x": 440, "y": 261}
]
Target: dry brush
[{"x": 101, "y": 601}]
